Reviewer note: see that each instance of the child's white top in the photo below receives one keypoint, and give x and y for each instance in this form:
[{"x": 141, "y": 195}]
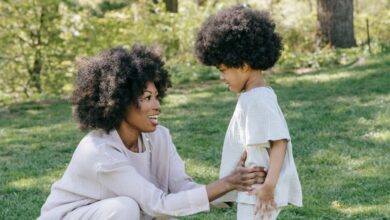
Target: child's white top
[{"x": 256, "y": 121}]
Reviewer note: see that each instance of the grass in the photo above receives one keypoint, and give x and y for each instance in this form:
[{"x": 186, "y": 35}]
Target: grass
[{"x": 339, "y": 120}]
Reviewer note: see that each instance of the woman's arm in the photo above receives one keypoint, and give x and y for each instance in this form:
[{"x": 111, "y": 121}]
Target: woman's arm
[
  {"x": 178, "y": 180},
  {"x": 122, "y": 179},
  {"x": 240, "y": 179}
]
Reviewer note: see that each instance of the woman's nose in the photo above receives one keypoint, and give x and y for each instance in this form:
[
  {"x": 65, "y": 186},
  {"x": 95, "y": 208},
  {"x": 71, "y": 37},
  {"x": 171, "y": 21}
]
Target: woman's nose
[
  {"x": 156, "y": 105},
  {"x": 221, "y": 76}
]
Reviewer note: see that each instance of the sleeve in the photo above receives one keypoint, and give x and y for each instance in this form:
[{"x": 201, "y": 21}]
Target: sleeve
[
  {"x": 264, "y": 122},
  {"x": 123, "y": 179},
  {"x": 178, "y": 179}
]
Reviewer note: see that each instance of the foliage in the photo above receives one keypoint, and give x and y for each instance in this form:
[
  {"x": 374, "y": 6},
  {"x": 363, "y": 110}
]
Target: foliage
[
  {"x": 35, "y": 56},
  {"x": 339, "y": 120},
  {"x": 38, "y": 55},
  {"x": 192, "y": 73},
  {"x": 378, "y": 16}
]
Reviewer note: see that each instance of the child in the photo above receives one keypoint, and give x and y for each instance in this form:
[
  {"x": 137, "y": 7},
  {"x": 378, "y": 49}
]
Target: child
[{"x": 241, "y": 42}]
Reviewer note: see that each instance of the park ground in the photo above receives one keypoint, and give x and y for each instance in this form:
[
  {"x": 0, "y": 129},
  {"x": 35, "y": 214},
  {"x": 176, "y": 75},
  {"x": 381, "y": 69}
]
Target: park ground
[{"x": 339, "y": 120}]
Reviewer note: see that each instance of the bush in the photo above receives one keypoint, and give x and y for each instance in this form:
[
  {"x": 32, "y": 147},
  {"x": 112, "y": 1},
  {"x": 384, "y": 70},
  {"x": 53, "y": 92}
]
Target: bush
[
  {"x": 85, "y": 29},
  {"x": 190, "y": 73}
]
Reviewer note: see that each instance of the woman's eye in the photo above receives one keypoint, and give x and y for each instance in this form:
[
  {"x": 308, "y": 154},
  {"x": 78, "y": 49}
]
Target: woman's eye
[{"x": 148, "y": 98}]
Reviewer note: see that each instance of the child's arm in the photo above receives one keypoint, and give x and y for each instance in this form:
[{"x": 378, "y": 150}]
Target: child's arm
[
  {"x": 265, "y": 194},
  {"x": 277, "y": 154}
]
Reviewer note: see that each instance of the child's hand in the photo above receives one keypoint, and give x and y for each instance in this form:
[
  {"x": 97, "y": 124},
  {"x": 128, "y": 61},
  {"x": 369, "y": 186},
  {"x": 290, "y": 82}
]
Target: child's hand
[
  {"x": 264, "y": 200},
  {"x": 242, "y": 178}
]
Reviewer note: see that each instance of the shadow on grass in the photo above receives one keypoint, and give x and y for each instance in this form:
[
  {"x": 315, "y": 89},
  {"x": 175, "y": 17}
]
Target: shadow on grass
[
  {"x": 20, "y": 204},
  {"x": 35, "y": 114},
  {"x": 36, "y": 143}
]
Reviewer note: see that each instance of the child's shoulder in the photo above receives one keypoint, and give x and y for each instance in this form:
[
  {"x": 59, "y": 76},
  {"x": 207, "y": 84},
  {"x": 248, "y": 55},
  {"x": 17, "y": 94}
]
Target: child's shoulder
[{"x": 259, "y": 95}]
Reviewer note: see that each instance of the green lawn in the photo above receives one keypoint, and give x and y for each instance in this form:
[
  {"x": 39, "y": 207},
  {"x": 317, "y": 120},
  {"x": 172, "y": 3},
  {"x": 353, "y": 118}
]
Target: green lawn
[{"x": 339, "y": 121}]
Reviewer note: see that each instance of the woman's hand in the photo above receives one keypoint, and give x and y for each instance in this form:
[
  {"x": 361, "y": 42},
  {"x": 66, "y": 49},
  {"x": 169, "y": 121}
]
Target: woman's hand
[
  {"x": 264, "y": 200},
  {"x": 242, "y": 178}
]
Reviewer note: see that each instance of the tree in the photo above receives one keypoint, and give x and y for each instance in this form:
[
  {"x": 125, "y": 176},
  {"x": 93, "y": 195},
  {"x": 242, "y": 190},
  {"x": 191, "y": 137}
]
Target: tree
[
  {"x": 172, "y": 5},
  {"x": 33, "y": 50},
  {"x": 200, "y": 2},
  {"x": 335, "y": 23}
]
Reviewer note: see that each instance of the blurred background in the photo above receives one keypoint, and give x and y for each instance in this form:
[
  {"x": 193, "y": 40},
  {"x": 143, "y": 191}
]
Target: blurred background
[{"x": 41, "y": 39}]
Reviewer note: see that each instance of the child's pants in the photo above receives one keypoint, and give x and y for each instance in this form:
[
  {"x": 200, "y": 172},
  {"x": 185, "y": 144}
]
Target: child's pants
[{"x": 245, "y": 212}]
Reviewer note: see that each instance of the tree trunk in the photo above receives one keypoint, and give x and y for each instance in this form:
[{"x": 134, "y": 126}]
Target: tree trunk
[
  {"x": 310, "y": 6},
  {"x": 200, "y": 2},
  {"x": 172, "y": 5},
  {"x": 35, "y": 73},
  {"x": 335, "y": 24}
]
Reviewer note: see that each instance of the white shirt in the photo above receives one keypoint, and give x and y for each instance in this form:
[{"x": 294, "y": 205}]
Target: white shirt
[
  {"x": 256, "y": 121},
  {"x": 102, "y": 167}
]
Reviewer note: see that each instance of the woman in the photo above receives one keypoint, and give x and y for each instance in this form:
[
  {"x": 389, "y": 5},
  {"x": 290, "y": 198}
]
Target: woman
[{"x": 127, "y": 167}]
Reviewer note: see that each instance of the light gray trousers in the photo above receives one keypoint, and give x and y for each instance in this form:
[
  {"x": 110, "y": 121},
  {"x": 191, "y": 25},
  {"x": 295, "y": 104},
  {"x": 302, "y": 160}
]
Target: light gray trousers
[{"x": 118, "y": 208}]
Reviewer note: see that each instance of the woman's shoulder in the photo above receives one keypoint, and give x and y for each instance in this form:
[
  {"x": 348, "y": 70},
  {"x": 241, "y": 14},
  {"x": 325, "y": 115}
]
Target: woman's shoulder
[
  {"x": 161, "y": 132},
  {"x": 97, "y": 144},
  {"x": 95, "y": 138}
]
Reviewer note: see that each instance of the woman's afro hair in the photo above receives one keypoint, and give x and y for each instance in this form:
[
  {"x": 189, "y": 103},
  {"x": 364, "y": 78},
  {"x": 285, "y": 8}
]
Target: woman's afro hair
[
  {"x": 238, "y": 35},
  {"x": 110, "y": 82}
]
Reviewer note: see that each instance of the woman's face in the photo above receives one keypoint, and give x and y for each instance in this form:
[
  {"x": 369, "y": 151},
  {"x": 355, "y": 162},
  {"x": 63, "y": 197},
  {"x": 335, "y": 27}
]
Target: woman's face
[{"x": 145, "y": 118}]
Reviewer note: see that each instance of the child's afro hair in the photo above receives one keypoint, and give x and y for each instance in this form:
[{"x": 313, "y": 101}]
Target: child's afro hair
[{"x": 239, "y": 35}]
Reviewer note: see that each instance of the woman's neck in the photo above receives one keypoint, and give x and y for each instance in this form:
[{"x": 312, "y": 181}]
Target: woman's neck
[{"x": 129, "y": 136}]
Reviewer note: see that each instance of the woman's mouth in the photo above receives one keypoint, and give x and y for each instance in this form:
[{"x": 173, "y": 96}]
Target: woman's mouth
[{"x": 154, "y": 119}]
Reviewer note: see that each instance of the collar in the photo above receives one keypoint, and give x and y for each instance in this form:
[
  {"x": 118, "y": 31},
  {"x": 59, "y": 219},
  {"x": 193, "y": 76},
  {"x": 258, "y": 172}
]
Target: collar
[{"x": 113, "y": 139}]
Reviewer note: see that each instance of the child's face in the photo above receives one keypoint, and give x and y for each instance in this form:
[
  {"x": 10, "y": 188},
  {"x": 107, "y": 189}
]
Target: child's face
[{"x": 234, "y": 78}]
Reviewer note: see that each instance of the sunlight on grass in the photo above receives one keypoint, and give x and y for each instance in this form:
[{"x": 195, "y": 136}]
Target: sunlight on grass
[
  {"x": 323, "y": 77},
  {"x": 33, "y": 112},
  {"x": 297, "y": 104},
  {"x": 361, "y": 167},
  {"x": 379, "y": 101},
  {"x": 175, "y": 100},
  {"x": 26, "y": 183},
  {"x": 201, "y": 170},
  {"x": 27, "y": 137},
  {"x": 40, "y": 129},
  {"x": 381, "y": 136},
  {"x": 360, "y": 209},
  {"x": 355, "y": 164},
  {"x": 325, "y": 156},
  {"x": 382, "y": 118}
]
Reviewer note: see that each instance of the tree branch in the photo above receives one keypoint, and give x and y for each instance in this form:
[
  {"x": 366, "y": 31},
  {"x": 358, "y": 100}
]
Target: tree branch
[{"x": 25, "y": 41}]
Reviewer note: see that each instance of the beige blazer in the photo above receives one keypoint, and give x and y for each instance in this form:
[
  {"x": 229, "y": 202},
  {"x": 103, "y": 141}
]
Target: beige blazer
[{"x": 102, "y": 167}]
